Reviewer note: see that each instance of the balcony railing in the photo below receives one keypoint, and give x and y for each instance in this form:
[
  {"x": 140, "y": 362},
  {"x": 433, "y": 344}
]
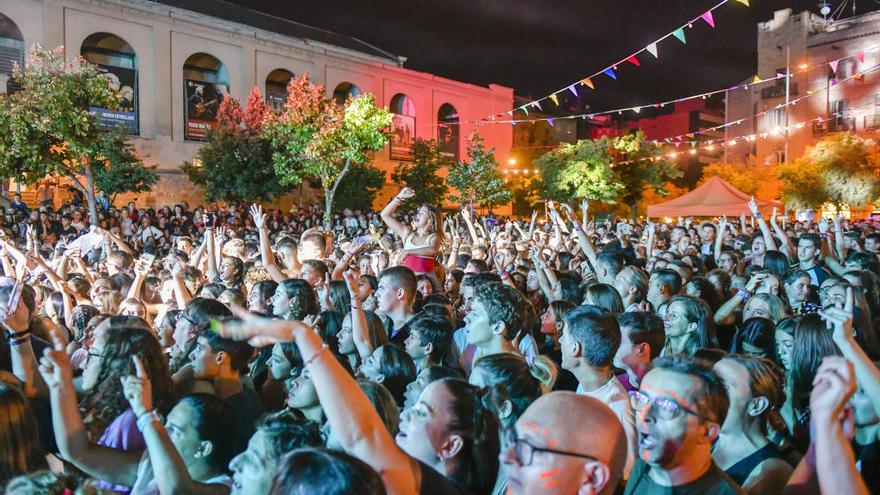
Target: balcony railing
[{"x": 836, "y": 125}]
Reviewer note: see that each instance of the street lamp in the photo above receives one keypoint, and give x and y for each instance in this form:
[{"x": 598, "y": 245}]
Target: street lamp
[{"x": 511, "y": 162}]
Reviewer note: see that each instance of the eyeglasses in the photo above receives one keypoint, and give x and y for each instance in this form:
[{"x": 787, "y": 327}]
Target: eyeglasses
[
  {"x": 525, "y": 451},
  {"x": 190, "y": 320},
  {"x": 665, "y": 408}
]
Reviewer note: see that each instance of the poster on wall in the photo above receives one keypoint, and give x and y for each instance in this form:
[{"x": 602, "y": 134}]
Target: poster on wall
[
  {"x": 124, "y": 81},
  {"x": 447, "y": 140},
  {"x": 403, "y": 131},
  {"x": 202, "y": 104},
  {"x": 276, "y": 101}
]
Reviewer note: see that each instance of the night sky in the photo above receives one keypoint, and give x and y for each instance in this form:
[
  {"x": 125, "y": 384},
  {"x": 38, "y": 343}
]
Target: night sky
[{"x": 538, "y": 46}]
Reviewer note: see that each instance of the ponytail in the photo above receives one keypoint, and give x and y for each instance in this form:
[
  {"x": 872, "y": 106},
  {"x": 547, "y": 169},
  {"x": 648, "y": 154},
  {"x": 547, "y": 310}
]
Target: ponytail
[{"x": 544, "y": 370}]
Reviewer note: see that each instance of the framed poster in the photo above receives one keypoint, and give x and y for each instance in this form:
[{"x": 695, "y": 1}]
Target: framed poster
[
  {"x": 403, "y": 131},
  {"x": 447, "y": 139},
  {"x": 124, "y": 81},
  {"x": 200, "y": 111},
  {"x": 276, "y": 101}
]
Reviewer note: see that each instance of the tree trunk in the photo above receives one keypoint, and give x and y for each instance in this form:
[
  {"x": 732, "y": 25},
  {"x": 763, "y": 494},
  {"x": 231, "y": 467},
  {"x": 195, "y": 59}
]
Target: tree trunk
[
  {"x": 90, "y": 191},
  {"x": 634, "y": 210},
  {"x": 330, "y": 194}
]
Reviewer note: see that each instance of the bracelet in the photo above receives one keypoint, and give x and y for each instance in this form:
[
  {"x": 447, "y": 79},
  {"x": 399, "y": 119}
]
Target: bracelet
[
  {"x": 577, "y": 228},
  {"x": 146, "y": 418},
  {"x": 323, "y": 348},
  {"x": 744, "y": 294},
  {"x": 355, "y": 305}
]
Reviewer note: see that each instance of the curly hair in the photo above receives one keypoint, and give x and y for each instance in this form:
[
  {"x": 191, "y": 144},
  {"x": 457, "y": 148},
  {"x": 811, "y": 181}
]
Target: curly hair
[
  {"x": 303, "y": 300},
  {"x": 503, "y": 303},
  {"x": 127, "y": 336}
]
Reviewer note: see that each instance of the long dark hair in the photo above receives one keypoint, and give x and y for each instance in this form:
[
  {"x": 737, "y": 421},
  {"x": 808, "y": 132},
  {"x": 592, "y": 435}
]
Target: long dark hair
[
  {"x": 19, "y": 443},
  {"x": 303, "y": 300},
  {"x": 510, "y": 378},
  {"x": 758, "y": 332},
  {"x": 812, "y": 343},
  {"x": 476, "y": 465},
  {"x": 127, "y": 336},
  {"x": 398, "y": 370},
  {"x": 325, "y": 471}
]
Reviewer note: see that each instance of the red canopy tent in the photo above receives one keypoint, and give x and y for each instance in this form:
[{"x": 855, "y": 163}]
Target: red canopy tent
[{"x": 713, "y": 199}]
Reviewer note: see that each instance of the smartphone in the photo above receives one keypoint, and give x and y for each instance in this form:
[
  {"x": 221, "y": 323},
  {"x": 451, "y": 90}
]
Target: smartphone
[{"x": 210, "y": 219}]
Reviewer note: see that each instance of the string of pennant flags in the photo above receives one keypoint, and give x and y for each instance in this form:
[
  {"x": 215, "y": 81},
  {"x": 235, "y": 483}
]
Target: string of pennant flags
[
  {"x": 710, "y": 145},
  {"x": 756, "y": 81},
  {"x": 612, "y": 70}
]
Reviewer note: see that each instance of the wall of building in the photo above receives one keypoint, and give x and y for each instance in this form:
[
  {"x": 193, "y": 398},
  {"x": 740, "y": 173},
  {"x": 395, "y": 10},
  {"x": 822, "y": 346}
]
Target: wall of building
[
  {"x": 164, "y": 37},
  {"x": 807, "y": 42}
]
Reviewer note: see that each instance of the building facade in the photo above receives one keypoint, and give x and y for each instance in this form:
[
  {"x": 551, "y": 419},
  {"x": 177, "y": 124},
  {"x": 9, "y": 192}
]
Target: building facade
[
  {"x": 833, "y": 66},
  {"x": 174, "y": 60}
]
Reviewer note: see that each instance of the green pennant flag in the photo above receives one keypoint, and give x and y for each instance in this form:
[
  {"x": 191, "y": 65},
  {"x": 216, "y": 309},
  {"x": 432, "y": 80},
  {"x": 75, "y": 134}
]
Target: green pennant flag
[{"x": 679, "y": 33}]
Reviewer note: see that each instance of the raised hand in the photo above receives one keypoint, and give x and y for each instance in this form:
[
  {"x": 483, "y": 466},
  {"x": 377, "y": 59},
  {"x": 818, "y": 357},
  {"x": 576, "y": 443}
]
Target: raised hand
[
  {"x": 833, "y": 386},
  {"x": 465, "y": 213},
  {"x": 840, "y": 319},
  {"x": 406, "y": 193},
  {"x": 534, "y": 215},
  {"x": 823, "y": 226},
  {"x": 256, "y": 330},
  {"x": 310, "y": 320},
  {"x": 55, "y": 367},
  {"x": 585, "y": 206},
  {"x": 753, "y": 206},
  {"x": 258, "y": 216},
  {"x": 351, "y": 280},
  {"x": 138, "y": 389}
]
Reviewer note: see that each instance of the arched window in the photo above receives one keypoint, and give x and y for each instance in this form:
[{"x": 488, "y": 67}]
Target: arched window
[
  {"x": 11, "y": 52},
  {"x": 276, "y": 88},
  {"x": 205, "y": 83},
  {"x": 448, "y": 131},
  {"x": 117, "y": 60},
  {"x": 343, "y": 91},
  {"x": 403, "y": 128}
]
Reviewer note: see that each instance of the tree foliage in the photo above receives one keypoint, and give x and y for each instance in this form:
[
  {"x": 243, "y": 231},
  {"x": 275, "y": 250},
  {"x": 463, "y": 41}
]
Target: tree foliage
[
  {"x": 840, "y": 169},
  {"x": 421, "y": 174},
  {"x": 315, "y": 137},
  {"x": 235, "y": 164},
  {"x": 579, "y": 171},
  {"x": 640, "y": 170},
  {"x": 751, "y": 178},
  {"x": 477, "y": 181},
  {"x": 118, "y": 176},
  {"x": 46, "y": 128},
  {"x": 359, "y": 187}
]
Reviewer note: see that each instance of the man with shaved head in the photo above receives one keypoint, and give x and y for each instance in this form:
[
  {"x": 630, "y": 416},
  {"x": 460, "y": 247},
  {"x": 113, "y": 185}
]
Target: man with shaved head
[{"x": 565, "y": 444}]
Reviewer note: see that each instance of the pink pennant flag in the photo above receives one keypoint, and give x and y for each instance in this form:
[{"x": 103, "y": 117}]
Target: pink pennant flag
[
  {"x": 833, "y": 65},
  {"x": 707, "y": 16},
  {"x": 861, "y": 57}
]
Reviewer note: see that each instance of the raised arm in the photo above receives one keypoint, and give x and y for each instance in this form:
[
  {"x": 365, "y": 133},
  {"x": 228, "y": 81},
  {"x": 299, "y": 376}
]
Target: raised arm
[
  {"x": 211, "y": 271},
  {"x": 719, "y": 240},
  {"x": 169, "y": 469},
  {"x": 584, "y": 241},
  {"x": 387, "y": 213},
  {"x": 110, "y": 465},
  {"x": 266, "y": 253},
  {"x": 466, "y": 215},
  {"x": 359, "y": 328},
  {"x": 762, "y": 224},
  {"x": 785, "y": 244},
  {"x": 350, "y": 414}
]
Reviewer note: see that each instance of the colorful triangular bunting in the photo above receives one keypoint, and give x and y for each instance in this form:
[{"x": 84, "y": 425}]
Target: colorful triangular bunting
[
  {"x": 679, "y": 33},
  {"x": 707, "y": 16},
  {"x": 833, "y": 65},
  {"x": 555, "y": 99},
  {"x": 652, "y": 49},
  {"x": 610, "y": 73},
  {"x": 588, "y": 83},
  {"x": 744, "y": 2},
  {"x": 633, "y": 60},
  {"x": 573, "y": 90}
]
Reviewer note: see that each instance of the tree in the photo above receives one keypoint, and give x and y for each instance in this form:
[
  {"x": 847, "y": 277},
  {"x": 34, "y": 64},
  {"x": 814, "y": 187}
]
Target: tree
[
  {"x": 118, "y": 176},
  {"x": 235, "y": 164},
  {"x": 315, "y": 137},
  {"x": 477, "y": 180},
  {"x": 840, "y": 169},
  {"x": 46, "y": 127},
  {"x": 359, "y": 187},
  {"x": 640, "y": 169},
  {"x": 753, "y": 179},
  {"x": 579, "y": 171},
  {"x": 421, "y": 174}
]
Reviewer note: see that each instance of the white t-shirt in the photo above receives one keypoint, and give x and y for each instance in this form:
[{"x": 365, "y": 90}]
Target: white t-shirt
[{"x": 616, "y": 398}]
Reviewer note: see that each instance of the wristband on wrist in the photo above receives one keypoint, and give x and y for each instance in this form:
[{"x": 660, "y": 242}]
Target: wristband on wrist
[
  {"x": 146, "y": 418},
  {"x": 17, "y": 341},
  {"x": 315, "y": 356},
  {"x": 744, "y": 294}
]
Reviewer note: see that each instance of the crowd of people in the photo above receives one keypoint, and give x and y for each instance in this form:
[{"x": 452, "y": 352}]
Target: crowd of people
[{"x": 231, "y": 349}]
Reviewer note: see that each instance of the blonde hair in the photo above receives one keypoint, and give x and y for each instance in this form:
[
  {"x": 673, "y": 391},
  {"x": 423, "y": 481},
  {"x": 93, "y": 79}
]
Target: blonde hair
[{"x": 108, "y": 302}]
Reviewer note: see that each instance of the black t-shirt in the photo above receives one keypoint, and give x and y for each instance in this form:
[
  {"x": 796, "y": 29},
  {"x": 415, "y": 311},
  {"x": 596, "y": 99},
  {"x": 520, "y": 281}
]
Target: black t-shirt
[
  {"x": 714, "y": 482},
  {"x": 397, "y": 337},
  {"x": 434, "y": 483},
  {"x": 246, "y": 409}
]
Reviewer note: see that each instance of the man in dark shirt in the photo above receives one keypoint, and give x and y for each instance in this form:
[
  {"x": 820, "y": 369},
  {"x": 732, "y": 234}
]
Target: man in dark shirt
[
  {"x": 220, "y": 361},
  {"x": 679, "y": 411},
  {"x": 394, "y": 297}
]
